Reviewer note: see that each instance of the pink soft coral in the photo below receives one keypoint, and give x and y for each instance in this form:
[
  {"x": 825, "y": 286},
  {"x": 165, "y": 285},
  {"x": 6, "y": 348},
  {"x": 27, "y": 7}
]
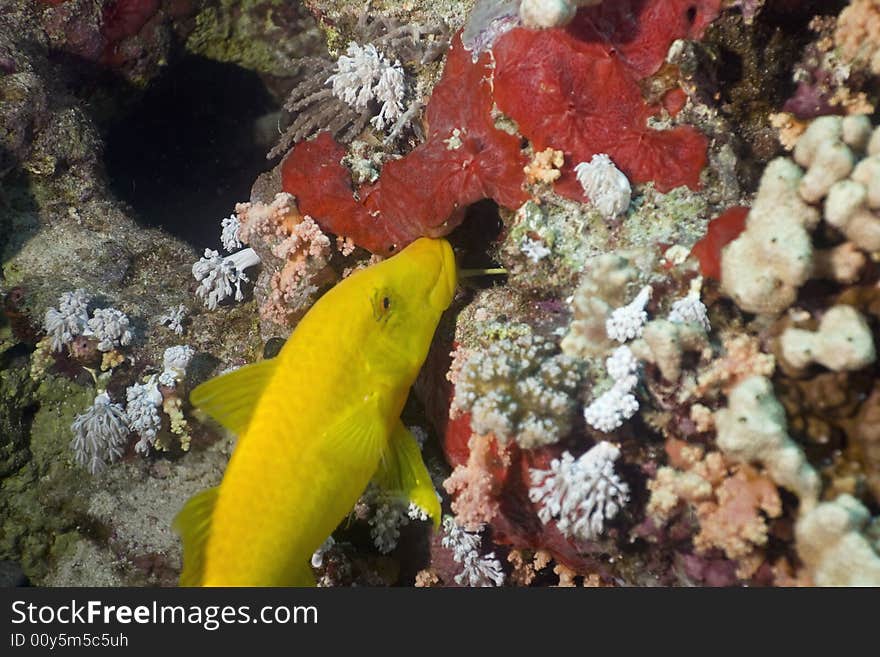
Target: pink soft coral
[{"x": 298, "y": 243}]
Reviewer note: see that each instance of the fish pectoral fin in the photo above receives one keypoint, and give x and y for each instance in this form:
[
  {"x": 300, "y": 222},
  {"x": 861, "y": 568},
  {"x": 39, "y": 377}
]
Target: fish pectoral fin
[
  {"x": 231, "y": 398},
  {"x": 193, "y": 523},
  {"x": 402, "y": 470},
  {"x": 360, "y": 435}
]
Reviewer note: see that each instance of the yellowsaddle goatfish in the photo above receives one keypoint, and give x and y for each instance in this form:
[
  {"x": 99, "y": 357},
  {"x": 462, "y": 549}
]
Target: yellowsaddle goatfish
[{"x": 317, "y": 423}]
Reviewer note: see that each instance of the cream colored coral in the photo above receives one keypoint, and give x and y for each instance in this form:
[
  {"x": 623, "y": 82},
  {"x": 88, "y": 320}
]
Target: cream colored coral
[
  {"x": 665, "y": 343},
  {"x": 867, "y": 173},
  {"x": 765, "y": 266},
  {"x": 603, "y": 289},
  {"x": 842, "y": 263},
  {"x": 823, "y": 153},
  {"x": 831, "y": 543},
  {"x": 753, "y": 428},
  {"x": 843, "y": 342},
  {"x": 846, "y": 208}
]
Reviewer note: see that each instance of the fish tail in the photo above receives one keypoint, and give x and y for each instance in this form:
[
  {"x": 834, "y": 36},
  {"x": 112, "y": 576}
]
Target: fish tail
[{"x": 193, "y": 523}]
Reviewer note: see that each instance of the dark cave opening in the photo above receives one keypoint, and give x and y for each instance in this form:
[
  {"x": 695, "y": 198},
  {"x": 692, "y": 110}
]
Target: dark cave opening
[
  {"x": 191, "y": 148},
  {"x": 474, "y": 238}
]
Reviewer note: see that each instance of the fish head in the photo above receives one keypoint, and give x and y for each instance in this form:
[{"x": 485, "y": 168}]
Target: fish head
[{"x": 408, "y": 294}]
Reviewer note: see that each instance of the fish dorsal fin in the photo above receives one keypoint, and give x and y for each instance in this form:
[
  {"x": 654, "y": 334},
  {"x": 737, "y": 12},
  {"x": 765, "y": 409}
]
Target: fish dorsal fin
[
  {"x": 402, "y": 471},
  {"x": 231, "y": 398},
  {"x": 193, "y": 523}
]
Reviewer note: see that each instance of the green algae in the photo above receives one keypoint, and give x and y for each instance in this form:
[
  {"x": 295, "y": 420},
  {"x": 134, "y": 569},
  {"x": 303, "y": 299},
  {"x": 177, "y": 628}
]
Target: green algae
[
  {"x": 41, "y": 502},
  {"x": 260, "y": 35}
]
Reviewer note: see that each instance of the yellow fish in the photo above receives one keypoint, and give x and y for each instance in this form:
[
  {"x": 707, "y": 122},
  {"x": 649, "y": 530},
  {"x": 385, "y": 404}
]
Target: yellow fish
[{"x": 317, "y": 423}]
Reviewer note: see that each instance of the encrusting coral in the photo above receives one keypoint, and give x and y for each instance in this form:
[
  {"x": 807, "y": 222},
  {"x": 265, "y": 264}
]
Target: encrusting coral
[
  {"x": 615, "y": 412},
  {"x": 467, "y": 157}
]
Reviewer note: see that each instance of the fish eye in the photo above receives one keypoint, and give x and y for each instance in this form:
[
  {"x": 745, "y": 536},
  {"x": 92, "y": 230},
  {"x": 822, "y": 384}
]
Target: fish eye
[{"x": 386, "y": 303}]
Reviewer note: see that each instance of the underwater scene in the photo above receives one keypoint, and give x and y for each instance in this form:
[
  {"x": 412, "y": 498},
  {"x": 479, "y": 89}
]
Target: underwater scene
[{"x": 439, "y": 293}]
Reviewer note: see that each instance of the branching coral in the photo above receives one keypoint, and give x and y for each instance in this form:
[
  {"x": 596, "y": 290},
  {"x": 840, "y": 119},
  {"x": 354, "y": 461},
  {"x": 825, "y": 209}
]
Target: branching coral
[
  {"x": 477, "y": 569},
  {"x": 842, "y": 342},
  {"x": 99, "y": 434},
  {"x": 367, "y": 85},
  {"x": 519, "y": 389},
  {"x": 475, "y": 485},
  {"x": 174, "y": 318},
  {"x": 465, "y": 159},
  {"x": 731, "y": 504},
  {"x": 831, "y": 542},
  {"x": 858, "y": 34},
  {"x": 626, "y": 322},
  {"x": 580, "y": 494},
  {"x": 110, "y": 327},
  {"x": 577, "y": 92},
  {"x": 229, "y": 233},
  {"x": 142, "y": 410},
  {"x": 363, "y": 75},
  {"x": 610, "y": 409},
  {"x": 740, "y": 359},
  {"x": 175, "y": 361},
  {"x": 690, "y": 310},
  {"x": 753, "y": 428},
  {"x": 665, "y": 343}
]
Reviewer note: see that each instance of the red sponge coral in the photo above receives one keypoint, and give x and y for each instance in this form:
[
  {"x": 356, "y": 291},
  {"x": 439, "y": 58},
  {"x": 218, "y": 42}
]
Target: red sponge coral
[
  {"x": 576, "y": 89},
  {"x": 722, "y": 230},
  {"x": 465, "y": 159}
]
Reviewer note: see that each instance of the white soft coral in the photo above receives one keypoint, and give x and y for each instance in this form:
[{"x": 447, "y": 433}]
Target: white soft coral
[{"x": 580, "y": 494}]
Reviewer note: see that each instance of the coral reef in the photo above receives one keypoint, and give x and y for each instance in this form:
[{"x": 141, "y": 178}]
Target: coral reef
[{"x": 674, "y": 381}]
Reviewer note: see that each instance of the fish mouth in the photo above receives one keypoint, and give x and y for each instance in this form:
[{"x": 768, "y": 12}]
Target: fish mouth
[{"x": 447, "y": 277}]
